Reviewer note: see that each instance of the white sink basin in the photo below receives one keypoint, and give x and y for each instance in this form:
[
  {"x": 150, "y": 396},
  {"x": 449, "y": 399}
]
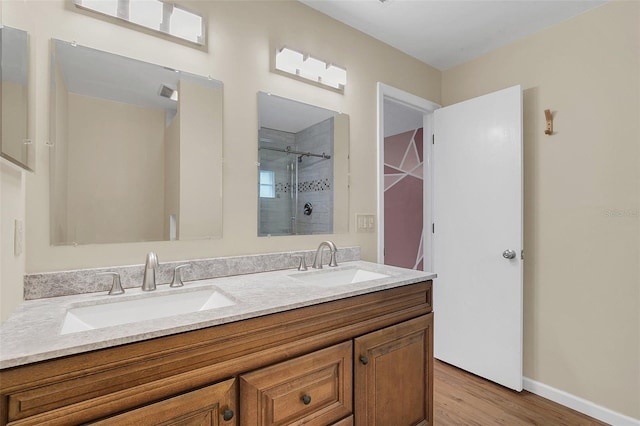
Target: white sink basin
[
  {"x": 337, "y": 277},
  {"x": 151, "y": 306}
]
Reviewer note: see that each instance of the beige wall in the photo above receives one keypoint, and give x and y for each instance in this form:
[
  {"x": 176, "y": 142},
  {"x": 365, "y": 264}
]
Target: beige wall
[
  {"x": 242, "y": 38},
  {"x": 582, "y": 329},
  {"x": 200, "y": 161},
  {"x": 115, "y": 173},
  {"x": 12, "y": 205}
]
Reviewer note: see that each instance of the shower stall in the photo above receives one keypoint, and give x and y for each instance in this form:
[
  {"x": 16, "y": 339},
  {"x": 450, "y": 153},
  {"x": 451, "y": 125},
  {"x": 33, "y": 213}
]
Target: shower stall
[{"x": 296, "y": 181}]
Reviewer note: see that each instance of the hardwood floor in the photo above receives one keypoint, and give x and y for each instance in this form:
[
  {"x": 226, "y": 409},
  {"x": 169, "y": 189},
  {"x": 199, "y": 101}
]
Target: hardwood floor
[{"x": 461, "y": 398}]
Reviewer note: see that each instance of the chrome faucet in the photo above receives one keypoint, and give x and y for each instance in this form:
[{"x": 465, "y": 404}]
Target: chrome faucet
[
  {"x": 149, "y": 280},
  {"x": 317, "y": 261}
]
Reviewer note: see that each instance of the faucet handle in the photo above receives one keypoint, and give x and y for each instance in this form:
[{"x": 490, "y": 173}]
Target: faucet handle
[
  {"x": 116, "y": 285},
  {"x": 177, "y": 276},
  {"x": 302, "y": 265}
]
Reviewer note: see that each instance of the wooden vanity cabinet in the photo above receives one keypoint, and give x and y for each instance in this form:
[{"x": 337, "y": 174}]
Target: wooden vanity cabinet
[
  {"x": 394, "y": 375},
  {"x": 255, "y": 368}
]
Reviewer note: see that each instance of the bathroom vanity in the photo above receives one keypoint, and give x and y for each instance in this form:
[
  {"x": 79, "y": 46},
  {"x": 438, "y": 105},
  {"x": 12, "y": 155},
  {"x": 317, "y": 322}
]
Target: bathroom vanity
[{"x": 350, "y": 354}]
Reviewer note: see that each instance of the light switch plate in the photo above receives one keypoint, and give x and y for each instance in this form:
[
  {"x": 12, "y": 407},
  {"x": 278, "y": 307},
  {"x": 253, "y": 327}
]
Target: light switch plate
[{"x": 365, "y": 223}]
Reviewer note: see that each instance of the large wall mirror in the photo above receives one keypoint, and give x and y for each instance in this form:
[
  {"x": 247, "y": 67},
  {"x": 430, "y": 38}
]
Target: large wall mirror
[
  {"x": 136, "y": 150},
  {"x": 15, "y": 144},
  {"x": 303, "y": 177}
]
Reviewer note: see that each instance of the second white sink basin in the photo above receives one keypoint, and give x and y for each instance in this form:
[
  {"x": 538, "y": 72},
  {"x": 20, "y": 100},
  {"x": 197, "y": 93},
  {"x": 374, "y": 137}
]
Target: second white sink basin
[
  {"x": 151, "y": 306},
  {"x": 337, "y": 277}
]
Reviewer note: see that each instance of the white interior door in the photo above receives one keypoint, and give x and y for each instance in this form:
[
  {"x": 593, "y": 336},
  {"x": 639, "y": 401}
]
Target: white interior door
[{"x": 478, "y": 225}]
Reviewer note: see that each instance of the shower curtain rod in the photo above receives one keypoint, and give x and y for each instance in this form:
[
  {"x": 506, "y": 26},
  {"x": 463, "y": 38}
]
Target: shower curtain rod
[{"x": 288, "y": 150}]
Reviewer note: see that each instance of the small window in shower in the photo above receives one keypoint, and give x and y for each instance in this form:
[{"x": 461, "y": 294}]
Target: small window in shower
[{"x": 267, "y": 184}]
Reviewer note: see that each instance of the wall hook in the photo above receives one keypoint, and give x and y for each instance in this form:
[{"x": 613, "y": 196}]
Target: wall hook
[{"x": 549, "y": 117}]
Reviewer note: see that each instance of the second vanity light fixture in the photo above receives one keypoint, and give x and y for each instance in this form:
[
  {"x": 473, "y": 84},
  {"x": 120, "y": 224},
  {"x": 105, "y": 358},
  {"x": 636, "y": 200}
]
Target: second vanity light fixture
[{"x": 310, "y": 68}]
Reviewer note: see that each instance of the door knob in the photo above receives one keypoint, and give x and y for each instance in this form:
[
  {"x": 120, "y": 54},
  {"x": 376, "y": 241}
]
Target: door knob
[{"x": 509, "y": 254}]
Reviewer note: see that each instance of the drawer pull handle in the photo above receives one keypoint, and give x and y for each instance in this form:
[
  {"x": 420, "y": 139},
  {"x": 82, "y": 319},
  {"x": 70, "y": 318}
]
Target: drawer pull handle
[
  {"x": 227, "y": 415},
  {"x": 306, "y": 399},
  {"x": 364, "y": 360}
]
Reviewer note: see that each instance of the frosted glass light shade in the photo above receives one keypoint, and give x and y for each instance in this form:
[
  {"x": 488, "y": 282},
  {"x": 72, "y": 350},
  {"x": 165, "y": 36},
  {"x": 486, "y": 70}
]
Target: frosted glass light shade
[
  {"x": 310, "y": 68},
  {"x": 288, "y": 60},
  {"x": 335, "y": 76}
]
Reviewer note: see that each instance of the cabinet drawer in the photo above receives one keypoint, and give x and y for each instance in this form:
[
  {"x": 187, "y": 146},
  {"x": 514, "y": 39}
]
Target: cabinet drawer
[
  {"x": 212, "y": 405},
  {"x": 314, "y": 389}
]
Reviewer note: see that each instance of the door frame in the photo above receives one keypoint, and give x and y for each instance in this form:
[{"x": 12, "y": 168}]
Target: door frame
[{"x": 427, "y": 108}]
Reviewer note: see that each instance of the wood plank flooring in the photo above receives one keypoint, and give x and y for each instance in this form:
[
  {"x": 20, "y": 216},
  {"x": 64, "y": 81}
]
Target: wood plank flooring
[{"x": 461, "y": 398}]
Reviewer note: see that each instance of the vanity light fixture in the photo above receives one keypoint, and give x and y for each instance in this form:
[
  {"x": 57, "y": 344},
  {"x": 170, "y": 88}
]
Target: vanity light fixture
[
  {"x": 163, "y": 16},
  {"x": 310, "y": 68}
]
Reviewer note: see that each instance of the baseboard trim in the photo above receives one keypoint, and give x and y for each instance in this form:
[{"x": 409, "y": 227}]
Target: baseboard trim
[{"x": 579, "y": 404}]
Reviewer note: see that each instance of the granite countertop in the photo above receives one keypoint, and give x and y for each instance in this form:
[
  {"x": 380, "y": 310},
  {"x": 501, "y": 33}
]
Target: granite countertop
[{"x": 32, "y": 332}]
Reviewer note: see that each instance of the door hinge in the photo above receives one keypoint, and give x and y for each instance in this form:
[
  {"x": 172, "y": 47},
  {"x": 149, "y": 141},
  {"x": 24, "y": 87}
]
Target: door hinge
[
  {"x": 433, "y": 228},
  {"x": 433, "y": 139},
  {"x": 522, "y": 254}
]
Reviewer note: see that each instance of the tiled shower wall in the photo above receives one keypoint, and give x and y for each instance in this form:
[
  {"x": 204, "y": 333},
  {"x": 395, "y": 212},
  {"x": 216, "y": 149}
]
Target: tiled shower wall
[
  {"x": 315, "y": 179},
  {"x": 314, "y": 184},
  {"x": 275, "y": 213}
]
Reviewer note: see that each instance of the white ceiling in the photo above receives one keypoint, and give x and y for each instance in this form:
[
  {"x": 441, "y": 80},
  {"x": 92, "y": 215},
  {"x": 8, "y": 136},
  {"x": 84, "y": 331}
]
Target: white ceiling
[{"x": 446, "y": 33}]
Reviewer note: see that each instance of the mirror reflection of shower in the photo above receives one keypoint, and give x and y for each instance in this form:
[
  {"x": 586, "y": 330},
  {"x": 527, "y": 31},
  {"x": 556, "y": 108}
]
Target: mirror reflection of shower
[{"x": 295, "y": 168}]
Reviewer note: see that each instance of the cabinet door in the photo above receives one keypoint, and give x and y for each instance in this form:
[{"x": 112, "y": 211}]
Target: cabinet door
[
  {"x": 344, "y": 422},
  {"x": 394, "y": 375},
  {"x": 314, "y": 389},
  {"x": 211, "y": 406}
]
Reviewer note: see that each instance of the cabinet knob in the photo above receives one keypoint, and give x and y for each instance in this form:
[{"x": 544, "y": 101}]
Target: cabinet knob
[
  {"x": 177, "y": 276},
  {"x": 227, "y": 415},
  {"x": 306, "y": 399},
  {"x": 364, "y": 360}
]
